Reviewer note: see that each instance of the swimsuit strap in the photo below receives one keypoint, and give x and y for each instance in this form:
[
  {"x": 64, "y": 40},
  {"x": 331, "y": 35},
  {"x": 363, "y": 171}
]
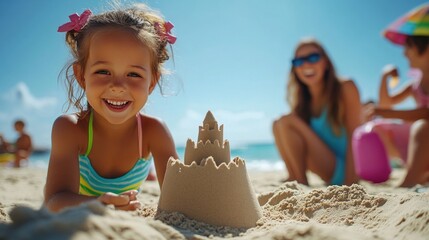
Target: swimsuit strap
[
  {"x": 139, "y": 125},
  {"x": 90, "y": 134}
]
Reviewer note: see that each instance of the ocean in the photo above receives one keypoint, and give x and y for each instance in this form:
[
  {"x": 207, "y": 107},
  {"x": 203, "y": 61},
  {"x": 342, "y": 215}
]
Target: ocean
[{"x": 258, "y": 157}]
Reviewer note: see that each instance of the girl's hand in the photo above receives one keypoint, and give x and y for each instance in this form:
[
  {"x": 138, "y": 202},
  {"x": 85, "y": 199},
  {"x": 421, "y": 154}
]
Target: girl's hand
[
  {"x": 368, "y": 112},
  {"x": 126, "y": 201},
  {"x": 390, "y": 71}
]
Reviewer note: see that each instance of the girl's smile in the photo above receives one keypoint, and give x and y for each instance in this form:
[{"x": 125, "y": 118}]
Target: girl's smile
[
  {"x": 118, "y": 77},
  {"x": 117, "y": 106}
]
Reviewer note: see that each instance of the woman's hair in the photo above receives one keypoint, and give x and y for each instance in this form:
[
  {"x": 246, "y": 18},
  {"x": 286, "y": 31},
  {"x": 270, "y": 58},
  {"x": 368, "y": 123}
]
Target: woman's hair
[
  {"x": 421, "y": 42},
  {"x": 140, "y": 20},
  {"x": 299, "y": 97}
]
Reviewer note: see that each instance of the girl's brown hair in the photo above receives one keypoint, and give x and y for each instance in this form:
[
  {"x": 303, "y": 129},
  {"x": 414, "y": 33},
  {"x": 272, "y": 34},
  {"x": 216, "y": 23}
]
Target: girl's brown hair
[
  {"x": 421, "y": 42},
  {"x": 299, "y": 97}
]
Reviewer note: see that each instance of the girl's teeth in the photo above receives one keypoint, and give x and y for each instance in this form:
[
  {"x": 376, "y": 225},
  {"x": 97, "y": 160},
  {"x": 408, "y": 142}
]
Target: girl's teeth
[{"x": 117, "y": 103}]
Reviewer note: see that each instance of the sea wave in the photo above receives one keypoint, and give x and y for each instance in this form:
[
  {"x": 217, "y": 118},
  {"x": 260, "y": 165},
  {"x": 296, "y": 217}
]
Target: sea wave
[{"x": 258, "y": 157}]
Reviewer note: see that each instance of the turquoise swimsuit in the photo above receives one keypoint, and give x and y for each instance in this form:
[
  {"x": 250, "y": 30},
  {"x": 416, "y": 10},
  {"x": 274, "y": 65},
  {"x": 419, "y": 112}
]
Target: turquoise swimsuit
[
  {"x": 92, "y": 184},
  {"x": 337, "y": 144}
]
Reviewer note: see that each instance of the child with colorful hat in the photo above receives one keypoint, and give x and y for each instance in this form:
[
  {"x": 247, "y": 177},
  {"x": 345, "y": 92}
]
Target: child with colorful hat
[{"x": 412, "y": 32}]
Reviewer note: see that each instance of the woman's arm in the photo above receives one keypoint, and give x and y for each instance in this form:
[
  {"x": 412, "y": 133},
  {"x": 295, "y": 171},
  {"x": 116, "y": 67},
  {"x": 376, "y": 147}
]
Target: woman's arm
[{"x": 352, "y": 112}]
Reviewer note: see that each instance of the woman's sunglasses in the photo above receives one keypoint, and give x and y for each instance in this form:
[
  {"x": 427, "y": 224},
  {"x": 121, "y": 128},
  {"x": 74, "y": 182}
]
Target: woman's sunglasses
[{"x": 311, "y": 58}]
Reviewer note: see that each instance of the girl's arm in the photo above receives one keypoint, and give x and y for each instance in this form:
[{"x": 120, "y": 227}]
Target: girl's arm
[
  {"x": 386, "y": 100},
  {"x": 352, "y": 111},
  {"x": 161, "y": 146},
  {"x": 406, "y": 115},
  {"x": 62, "y": 182}
]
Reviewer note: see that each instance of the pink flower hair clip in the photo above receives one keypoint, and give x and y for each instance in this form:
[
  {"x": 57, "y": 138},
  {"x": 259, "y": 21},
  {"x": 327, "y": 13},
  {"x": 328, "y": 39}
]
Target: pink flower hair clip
[
  {"x": 167, "y": 34},
  {"x": 76, "y": 22}
]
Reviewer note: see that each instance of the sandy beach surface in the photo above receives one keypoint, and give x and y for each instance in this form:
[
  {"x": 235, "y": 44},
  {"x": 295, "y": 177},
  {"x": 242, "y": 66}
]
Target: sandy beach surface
[{"x": 290, "y": 211}]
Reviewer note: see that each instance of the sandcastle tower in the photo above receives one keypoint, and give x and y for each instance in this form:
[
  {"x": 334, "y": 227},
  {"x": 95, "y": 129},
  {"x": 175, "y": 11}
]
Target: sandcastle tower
[
  {"x": 210, "y": 143},
  {"x": 209, "y": 186}
]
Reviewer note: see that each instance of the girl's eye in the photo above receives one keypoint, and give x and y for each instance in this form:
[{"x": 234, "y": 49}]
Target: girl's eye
[
  {"x": 133, "y": 74},
  {"x": 105, "y": 72}
]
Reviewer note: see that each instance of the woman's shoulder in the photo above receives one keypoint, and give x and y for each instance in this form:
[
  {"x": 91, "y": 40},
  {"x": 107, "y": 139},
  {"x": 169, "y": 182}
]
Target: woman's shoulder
[
  {"x": 347, "y": 83},
  {"x": 350, "y": 93},
  {"x": 348, "y": 86}
]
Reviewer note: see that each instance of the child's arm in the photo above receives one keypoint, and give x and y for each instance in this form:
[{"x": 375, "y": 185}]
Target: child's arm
[
  {"x": 62, "y": 183},
  {"x": 161, "y": 146},
  {"x": 386, "y": 100},
  {"x": 352, "y": 108},
  {"x": 406, "y": 115}
]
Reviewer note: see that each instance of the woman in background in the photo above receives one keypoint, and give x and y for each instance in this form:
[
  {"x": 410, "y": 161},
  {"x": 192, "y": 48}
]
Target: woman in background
[{"x": 325, "y": 110}]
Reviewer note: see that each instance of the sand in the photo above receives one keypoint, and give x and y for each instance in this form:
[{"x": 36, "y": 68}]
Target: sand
[{"x": 290, "y": 211}]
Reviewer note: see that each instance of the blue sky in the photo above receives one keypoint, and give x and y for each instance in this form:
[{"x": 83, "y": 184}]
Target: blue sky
[{"x": 231, "y": 57}]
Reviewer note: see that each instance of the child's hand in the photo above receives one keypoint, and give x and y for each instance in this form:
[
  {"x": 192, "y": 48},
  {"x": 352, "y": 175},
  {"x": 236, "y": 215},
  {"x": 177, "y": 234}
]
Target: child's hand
[
  {"x": 125, "y": 201},
  {"x": 390, "y": 71},
  {"x": 368, "y": 112}
]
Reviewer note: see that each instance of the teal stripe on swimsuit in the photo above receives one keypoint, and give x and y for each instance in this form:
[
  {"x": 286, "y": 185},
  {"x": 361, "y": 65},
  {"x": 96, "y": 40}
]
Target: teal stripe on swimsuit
[{"x": 92, "y": 184}]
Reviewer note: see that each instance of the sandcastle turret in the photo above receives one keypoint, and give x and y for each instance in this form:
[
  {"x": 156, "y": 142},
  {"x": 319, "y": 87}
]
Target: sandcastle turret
[
  {"x": 210, "y": 143},
  {"x": 208, "y": 186}
]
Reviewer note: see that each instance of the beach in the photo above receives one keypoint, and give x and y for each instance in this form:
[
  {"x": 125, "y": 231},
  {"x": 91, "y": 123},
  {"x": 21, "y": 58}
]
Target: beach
[{"x": 290, "y": 211}]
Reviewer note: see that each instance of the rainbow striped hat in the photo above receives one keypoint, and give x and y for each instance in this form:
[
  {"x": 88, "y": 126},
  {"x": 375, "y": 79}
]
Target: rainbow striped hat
[{"x": 414, "y": 23}]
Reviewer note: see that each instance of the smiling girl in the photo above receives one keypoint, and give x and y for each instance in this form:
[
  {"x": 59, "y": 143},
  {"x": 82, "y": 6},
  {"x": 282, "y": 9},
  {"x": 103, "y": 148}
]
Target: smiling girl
[{"x": 104, "y": 150}]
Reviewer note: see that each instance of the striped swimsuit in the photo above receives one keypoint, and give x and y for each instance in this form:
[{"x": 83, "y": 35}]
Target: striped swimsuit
[{"x": 92, "y": 184}]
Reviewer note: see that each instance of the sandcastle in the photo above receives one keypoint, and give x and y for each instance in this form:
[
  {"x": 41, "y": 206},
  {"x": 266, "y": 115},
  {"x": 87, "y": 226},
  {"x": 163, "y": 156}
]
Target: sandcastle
[{"x": 209, "y": 186}]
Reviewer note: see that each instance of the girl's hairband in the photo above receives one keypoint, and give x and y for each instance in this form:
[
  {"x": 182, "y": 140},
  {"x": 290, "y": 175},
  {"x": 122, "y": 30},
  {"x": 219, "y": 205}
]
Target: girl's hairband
[{"x": 78, "y": 22}]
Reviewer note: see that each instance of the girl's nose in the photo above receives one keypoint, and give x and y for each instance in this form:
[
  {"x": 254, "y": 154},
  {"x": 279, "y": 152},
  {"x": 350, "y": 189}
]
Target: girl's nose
[{"x": 117, "y": 86}]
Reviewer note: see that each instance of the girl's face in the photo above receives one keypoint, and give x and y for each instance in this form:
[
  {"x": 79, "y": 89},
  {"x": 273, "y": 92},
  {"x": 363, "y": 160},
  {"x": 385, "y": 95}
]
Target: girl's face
[
  {"x": 411, "y": 54},
  {"x": 309, "y": 64},
  {"x": 415, "y": 59},
  {"x": 118, "y": 77}
]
